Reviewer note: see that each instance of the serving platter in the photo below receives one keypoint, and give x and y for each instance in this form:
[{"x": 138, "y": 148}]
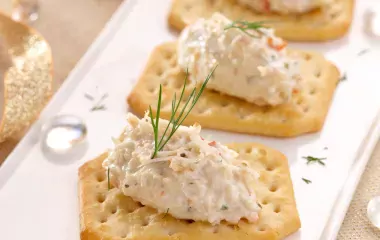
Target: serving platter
[{"x": 39, "y": 194}]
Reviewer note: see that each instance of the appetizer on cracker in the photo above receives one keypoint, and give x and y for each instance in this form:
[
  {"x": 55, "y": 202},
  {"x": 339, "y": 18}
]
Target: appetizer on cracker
[
  {"x": 162, "y": 180},
  {"x": 260, "y": 86},
  {"x": 299, "y": 20}
]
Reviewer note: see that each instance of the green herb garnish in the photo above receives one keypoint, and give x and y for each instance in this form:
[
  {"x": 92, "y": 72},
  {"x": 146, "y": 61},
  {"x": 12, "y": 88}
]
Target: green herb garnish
[
  {"x": 99, "y": 104},
  {"x": 307, "y": 181},
  {"x": 311, "y": 159},
  {"x": 174, "y": 122},
  {"x": 108, "y": 178},
  {"x": 245, "y": 25},
  {"x": 224, "y": 207}
]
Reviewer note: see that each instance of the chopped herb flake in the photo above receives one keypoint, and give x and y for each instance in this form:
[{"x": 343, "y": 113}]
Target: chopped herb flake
[
  {"x": 98, "y": 108},
  {"x": 224, "y": 207},
  {"x": 343, "y": 77},
  {"x": 311, "y": 159},
  {"x": 166, "y": 213},
  {"x": 307, "y": 181}
]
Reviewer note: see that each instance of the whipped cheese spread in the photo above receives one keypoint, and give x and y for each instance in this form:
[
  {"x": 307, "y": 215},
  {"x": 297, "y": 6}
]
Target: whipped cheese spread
[
  {"x": 284, "y": 6},
  {"x": 252, "y": 64},
  {"x": 191, "y": 178}
]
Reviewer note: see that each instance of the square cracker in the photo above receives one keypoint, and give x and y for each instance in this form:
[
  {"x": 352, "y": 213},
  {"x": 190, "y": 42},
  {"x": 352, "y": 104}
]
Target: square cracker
[
  {"x": 110, "y": 215},
  {"x": 305, "y": 113},
  {"x": 328, "y": 23}
]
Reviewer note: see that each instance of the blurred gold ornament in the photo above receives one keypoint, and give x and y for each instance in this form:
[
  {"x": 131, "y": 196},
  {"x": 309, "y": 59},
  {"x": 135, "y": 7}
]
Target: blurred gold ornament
[{"x": 26, "y": 69}]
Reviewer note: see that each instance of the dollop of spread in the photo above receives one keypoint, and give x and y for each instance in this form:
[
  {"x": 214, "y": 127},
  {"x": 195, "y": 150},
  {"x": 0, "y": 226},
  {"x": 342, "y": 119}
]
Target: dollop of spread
[
  {"x": 284, "y": 6},
  {"x": 252, "y": 64},
  {"x": 191, "y": 178}
]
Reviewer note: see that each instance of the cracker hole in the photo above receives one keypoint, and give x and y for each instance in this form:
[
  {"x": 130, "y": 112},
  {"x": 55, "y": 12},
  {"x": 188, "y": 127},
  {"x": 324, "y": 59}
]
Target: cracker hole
[
  {"x": 189, "y": 221},
  {"x": 188, "y": 7},
  {"x": 270, "y": 168},
  {"x": 168, "y": 55},
  {"x": 265, "y": 109},
  {"x": 273, "y": 188},
  {"x": 224, "y": 104},
  {"x": 151, "y": 89},
  {"x": 307, "y": 57},
  {"x": 264, "y": 202},
  {"x": 306, "y": 109},
  {"x": 165, "y": 83},
  {"x": 100, "y": 177},
  {"x": 101, "y": 198},
  {"x": 233, "y": 227},
  {"x": 113, "y": 210},
  {"x": 248, "y": 150},
  {"x": 317, "y": 73},
  {"x": 299, "y": 101},
  {"x": 201, "y": 109},
  {"x": 177, "y": 84},
  {"x": 159, "y": 72},
  {"x": 334, "y": 15},
  {"x": 145, "y": 223},
  {"x": 244, "y": 115},
  {"x": 103, "y": 220},
  {"x": 312, "y": 91},
  {"x": 277, "y": 209},
  {"x": 261, "y": 229},
  {"x": 173, "y": 62},
  {"x": 262, "y": 152}
]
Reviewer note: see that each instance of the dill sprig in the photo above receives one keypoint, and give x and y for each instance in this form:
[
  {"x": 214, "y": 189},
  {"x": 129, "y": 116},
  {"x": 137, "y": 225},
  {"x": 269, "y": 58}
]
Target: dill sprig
[
  {"x": 174, "y": 122},
  {"x": 311, "y": 159},
  {"x": 245, "y": 25}
]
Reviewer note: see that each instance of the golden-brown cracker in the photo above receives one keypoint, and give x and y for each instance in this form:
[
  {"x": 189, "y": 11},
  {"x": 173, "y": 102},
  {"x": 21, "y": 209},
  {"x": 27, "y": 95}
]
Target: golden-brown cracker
[
  {"x": 330, "y": 22},
  {"x": 110, "y": 215},
  {"x": 305, "y": 113}
]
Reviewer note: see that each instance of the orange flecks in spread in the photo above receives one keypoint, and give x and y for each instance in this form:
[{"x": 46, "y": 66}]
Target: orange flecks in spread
[{"x": 277, "y": 47}]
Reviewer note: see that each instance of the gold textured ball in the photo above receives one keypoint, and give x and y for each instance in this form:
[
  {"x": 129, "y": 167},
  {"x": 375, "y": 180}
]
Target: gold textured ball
[{"x": 26, "y": 70}]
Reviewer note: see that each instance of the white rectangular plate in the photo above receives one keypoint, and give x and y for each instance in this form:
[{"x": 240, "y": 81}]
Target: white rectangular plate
[{"x": 38, "y": 196}]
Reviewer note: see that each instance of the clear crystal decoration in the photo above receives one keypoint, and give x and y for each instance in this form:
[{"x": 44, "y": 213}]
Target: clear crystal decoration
[
  {"x": 372, "y": 21},
  {"x": 373, "y": 211},
  {"x": 63, "y": 133},
  {"x": 25, "y": 10}
]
